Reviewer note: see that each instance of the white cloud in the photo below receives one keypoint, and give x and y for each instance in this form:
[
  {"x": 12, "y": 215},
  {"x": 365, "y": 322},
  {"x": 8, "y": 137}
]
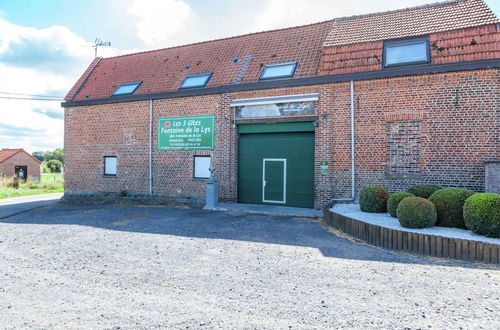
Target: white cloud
[
  {"x": 159, "y": 20},
  {"x": 32, "y": 125},
  {"x": 38, "y": 61},
  {"x": 284, "y": 13},
  {"x": 51, "y": 49}
]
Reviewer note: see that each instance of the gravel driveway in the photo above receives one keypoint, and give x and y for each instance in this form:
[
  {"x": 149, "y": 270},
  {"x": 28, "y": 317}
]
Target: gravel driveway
[{"x": 100, "y": 266}]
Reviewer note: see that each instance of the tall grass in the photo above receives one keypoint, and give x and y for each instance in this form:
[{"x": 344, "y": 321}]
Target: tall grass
[{"x": 12, "y": 186}]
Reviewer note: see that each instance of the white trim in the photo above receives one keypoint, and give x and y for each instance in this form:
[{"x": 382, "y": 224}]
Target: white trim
[
  {"x": 275, "y": 99},
  {"x": 264, "y": 179}
]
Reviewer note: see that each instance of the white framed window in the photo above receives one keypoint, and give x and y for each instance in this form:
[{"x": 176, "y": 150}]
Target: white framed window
[
  {"x": 279, "y": 70},
  {"x": 202, "y": 167},
  {"x": 196, "y": 80},
  {"x": 110, "y": 165},
  {"x": 127, "y": 88},
  {"x": 406, "y": 51}
]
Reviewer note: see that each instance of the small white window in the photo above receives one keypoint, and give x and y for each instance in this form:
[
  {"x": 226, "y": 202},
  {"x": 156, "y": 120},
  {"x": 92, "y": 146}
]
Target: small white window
[
  {"x": 110, "y": 165},
  {"x": 281, "y": 70},
  {"x": 202, "y": 167}
]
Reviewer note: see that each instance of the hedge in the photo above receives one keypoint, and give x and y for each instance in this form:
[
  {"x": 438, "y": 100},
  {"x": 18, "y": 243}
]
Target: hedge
[
  {"x": 449, "y": 204},
  {"x": 416, "y": 212},
  {"x": 373, "y": 199},
  {"x": 482, "y": 214},
  {"x": 423, "y": 190},
  {"x": 394, "y": 200}
]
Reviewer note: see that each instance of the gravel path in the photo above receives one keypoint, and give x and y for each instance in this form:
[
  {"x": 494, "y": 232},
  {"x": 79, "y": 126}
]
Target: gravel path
[{"x": 97, "y": 266}]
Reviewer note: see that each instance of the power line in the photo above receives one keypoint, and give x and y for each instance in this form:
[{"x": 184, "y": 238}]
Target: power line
[
  {"x": 34, "y": 95},
  {"x": 29, "y": 99}
]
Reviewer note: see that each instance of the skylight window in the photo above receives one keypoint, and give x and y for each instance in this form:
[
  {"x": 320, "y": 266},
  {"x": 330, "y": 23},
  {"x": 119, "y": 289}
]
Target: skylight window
[
  {"x": 281, "y": 70},
  {"x": 127, "y": 88},
  {"x": 196, "y": 80},
  {"x": 408, "y": 51}
]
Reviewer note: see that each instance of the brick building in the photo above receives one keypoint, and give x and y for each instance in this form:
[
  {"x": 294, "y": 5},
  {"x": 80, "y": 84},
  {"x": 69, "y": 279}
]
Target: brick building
[
  {"x": 296, "y": 116},
  {"x": 19, "y": 162}
]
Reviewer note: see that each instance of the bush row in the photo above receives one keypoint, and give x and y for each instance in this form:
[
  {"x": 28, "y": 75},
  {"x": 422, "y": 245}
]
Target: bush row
[{"x": 428, "y": 205}]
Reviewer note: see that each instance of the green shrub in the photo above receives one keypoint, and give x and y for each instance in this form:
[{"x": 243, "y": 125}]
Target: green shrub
[
  {"x": 394, "y": 200},
  {"x": 31, "y": 185},
  {"x": 423, "y": 190},
  {"x": 449, "y": 204},
  {"x": 482, "y": 214},
  {"x": 15, "y": 182},
  {"x": 416, "y": 212},
  {"x": 373, "y": 199},
  {"x": 54, "y": 165}
]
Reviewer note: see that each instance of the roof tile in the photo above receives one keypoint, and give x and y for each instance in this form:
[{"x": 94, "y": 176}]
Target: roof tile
[
  {"x": 442, "y": 16},
  {"x": 164, "y": 70}
]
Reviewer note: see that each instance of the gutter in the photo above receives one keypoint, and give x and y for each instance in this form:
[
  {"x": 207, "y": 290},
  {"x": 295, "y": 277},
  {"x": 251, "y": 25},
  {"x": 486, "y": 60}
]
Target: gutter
[{"x": 316, "y": 80}]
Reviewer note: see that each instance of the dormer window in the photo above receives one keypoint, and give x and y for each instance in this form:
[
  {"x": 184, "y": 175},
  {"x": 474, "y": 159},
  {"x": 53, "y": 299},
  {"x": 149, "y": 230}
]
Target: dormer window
[
  {"x": 127, "y": 88},
  {"x": 406, "y": 51},
  {"x": 196, "y": 80},
  {"x": 278, "y": 71}
]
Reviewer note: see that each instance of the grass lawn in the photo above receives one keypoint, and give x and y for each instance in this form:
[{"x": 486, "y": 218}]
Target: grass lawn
[{"x": 49, "y": 183}]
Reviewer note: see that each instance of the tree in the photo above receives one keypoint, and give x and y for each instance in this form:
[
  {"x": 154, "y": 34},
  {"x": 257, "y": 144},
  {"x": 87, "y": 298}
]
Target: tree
[
  {"x": 48, "y": 155},
  {"x": 54, "y": 165},
  {"x": 45, "y": 156},
  {"x": 58, "y": 154},
  {"x": 39, "y": 155}
]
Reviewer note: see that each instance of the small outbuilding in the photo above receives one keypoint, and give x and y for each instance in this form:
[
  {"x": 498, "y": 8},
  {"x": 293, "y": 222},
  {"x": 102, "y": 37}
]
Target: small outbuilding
[{"x": 20, "y": 163}]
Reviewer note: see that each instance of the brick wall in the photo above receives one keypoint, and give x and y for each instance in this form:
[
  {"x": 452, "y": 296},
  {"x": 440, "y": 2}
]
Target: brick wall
[
  {"x": 478, "y": 43},
  {"x": 7, "y": 168},
  {"x": 92, "y": 132},
  {"x": 454, "y": 112}
]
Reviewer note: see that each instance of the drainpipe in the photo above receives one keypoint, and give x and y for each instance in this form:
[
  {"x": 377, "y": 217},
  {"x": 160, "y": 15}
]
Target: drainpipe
[
  {"x": 150, "y": 147},
  {"x": 353, "y": 153}
]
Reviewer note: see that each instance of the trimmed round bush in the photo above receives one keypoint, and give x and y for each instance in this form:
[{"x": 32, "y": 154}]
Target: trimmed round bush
[
  {"x": 394, "y": 200},
  {"x": 373, "y": 199},
  {"x": 449, "y": 203},
  {"x": 423, "y": 190},
  {"x": 416, "y": 212},
  {"x": 482, "y": 214}
]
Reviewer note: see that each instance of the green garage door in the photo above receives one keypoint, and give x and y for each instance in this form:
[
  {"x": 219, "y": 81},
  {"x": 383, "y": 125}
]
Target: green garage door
[{"x": 276, "y": 164}]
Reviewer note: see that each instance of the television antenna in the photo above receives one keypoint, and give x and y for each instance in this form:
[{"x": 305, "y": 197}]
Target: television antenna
[{"x": 99, "y": 43}]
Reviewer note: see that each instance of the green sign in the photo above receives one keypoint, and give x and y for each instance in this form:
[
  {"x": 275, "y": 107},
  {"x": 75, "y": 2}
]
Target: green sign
[
  {"x": 186, "y": 133},
  {"x": 324, "y": 167}
]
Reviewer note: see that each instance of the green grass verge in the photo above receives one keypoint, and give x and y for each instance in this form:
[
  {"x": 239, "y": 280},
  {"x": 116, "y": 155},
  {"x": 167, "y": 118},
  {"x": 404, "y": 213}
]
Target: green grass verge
[{"x": 49, "y": 183}]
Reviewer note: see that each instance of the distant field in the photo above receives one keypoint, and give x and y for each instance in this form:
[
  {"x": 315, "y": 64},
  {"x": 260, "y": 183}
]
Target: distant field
[{"x": 49, "y": 183}]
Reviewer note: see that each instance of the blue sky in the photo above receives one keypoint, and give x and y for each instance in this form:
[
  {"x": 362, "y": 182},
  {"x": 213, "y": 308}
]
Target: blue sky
[{"x": 46, "y": 44}]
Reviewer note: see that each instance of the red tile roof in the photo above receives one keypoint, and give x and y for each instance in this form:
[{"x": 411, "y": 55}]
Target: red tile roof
[
  {"x": 82, "y": 79},
  {"x": 8, "y": 153},
  {"x": 438, "y": 17},
  {"x": 164, "y": 70}
]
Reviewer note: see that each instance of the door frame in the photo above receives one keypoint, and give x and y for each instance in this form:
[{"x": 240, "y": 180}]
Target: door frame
[
  {"x": 264, "y": 179},
  {"x": 24, "y": 168}
]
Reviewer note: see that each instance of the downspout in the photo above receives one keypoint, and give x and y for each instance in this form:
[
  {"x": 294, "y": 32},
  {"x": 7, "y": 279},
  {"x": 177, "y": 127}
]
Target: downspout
[
  {"x": 151, "y": 147},
  {"x": 353, "y": 153}
]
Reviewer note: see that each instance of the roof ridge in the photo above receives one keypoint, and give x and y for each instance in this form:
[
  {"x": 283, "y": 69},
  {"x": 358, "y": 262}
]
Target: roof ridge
[
  {"x": 225, "y": 38},
  {"x": 18, "y": 150},
  {"x": 429, "y": 5}
]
